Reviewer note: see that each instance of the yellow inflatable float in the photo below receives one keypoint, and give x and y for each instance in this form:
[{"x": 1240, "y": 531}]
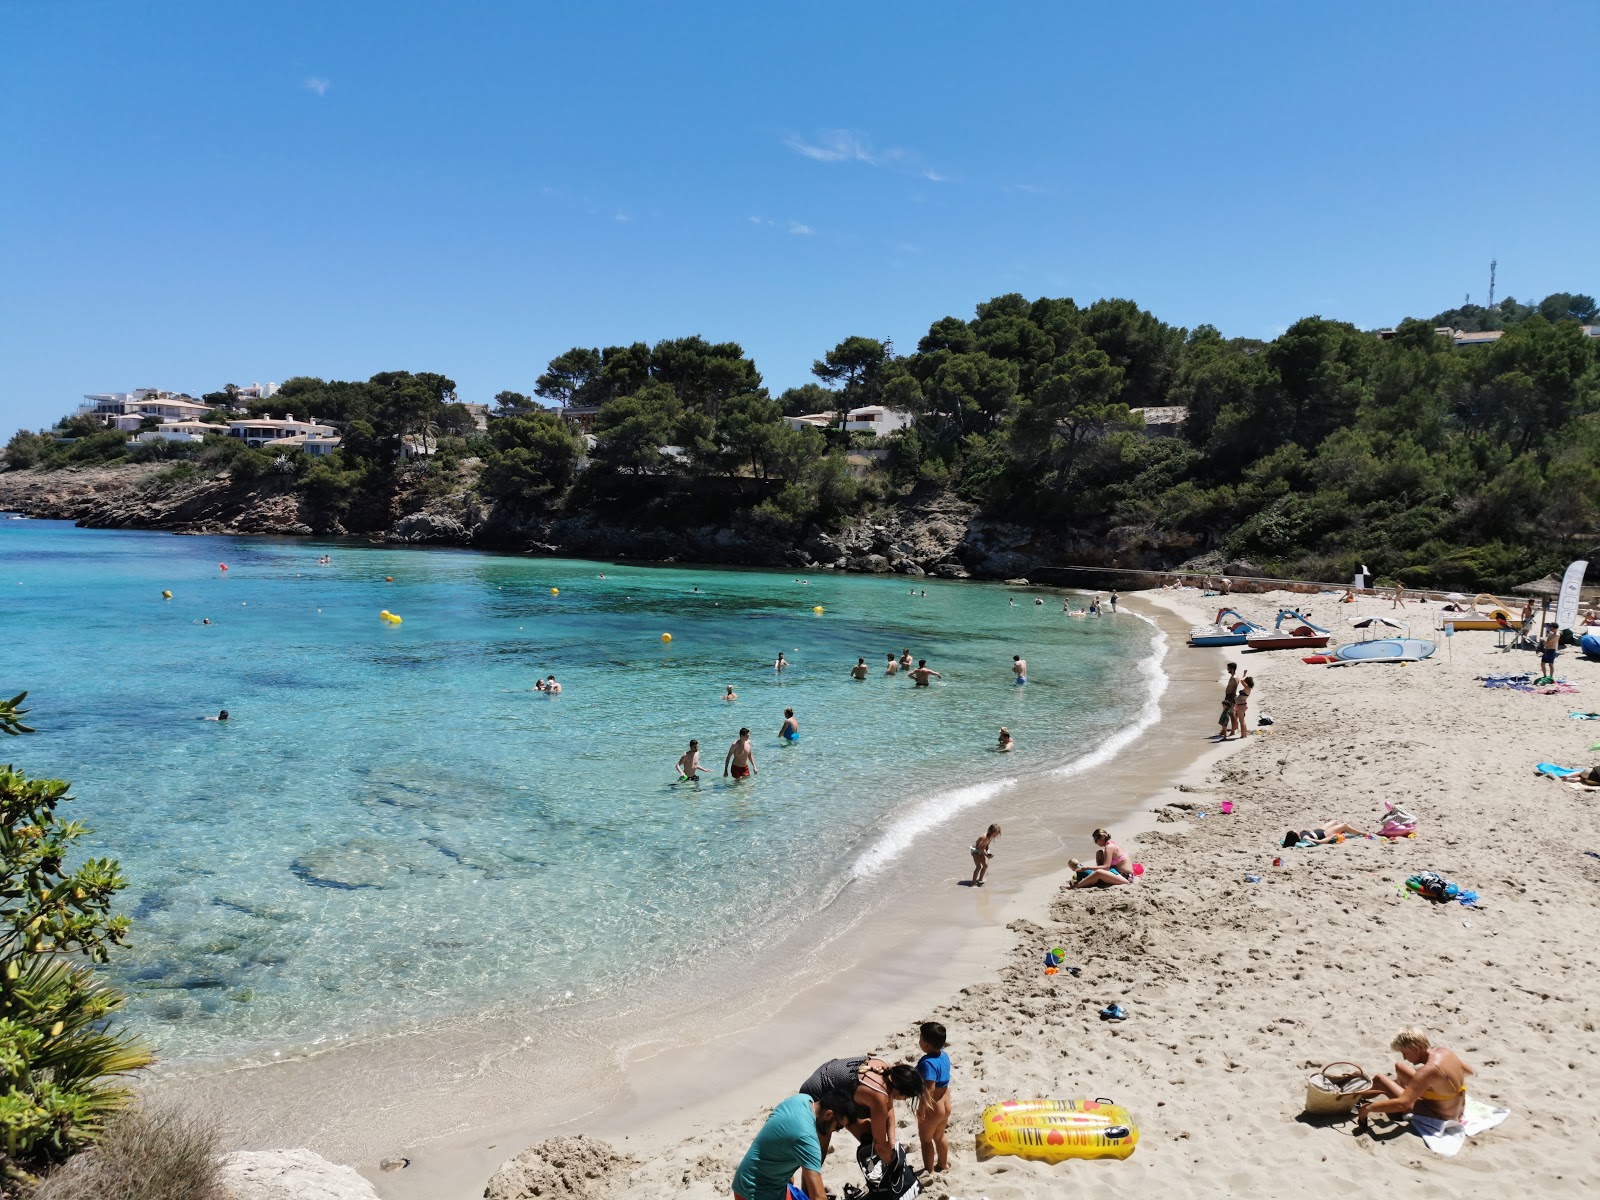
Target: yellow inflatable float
[
  {"x": 1055, "y": 1130},
  {"x": 388, "y": 616}
]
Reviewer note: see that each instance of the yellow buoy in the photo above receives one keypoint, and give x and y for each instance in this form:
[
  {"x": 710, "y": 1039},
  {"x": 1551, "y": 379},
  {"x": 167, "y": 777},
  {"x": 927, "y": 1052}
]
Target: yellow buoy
[
  {"x": 666, "y": 637},
  {"x": 555, "y": 591},
  {"x": 817, "y": 609},
  {"x": 388, "y": 616},
  {"x": 166, "y": 595}
]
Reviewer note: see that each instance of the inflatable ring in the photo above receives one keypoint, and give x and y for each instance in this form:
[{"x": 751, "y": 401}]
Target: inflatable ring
[{"x": 1055, "y": 1130}]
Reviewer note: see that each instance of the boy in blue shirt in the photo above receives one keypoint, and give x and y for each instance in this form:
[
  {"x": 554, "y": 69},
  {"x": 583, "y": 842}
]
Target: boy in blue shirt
[
  {"x": 933, "y": 1118},
  {"x": 791, "y": 1141}
]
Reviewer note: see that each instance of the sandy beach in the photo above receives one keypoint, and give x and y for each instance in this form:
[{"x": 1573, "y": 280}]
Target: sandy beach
[{"x": 1235, "y": 991}]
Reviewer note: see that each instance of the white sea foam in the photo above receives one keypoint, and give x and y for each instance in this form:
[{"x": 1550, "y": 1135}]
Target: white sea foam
[
  {"x": 937, "y": 809},
  {"x": 1156, "y": 685}
]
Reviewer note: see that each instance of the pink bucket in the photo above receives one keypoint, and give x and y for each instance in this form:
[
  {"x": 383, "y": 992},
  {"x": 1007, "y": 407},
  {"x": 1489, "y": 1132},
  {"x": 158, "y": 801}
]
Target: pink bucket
[{"x": 1227, "y": 808}]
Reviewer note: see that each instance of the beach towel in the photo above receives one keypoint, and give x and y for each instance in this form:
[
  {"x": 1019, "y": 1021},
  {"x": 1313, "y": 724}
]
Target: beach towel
[
  {"x": 1556, "y": 772},
  {"x": 1447, "y": 1137},
  {"x": 1585, "y": 716}
]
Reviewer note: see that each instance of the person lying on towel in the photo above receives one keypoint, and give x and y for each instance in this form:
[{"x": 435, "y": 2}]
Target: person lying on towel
[{"x": 1430, "y": 1082}]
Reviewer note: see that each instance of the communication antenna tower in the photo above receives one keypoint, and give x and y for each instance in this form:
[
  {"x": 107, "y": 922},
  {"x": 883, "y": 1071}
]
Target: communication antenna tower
[{"x": 1493, "y": 263}]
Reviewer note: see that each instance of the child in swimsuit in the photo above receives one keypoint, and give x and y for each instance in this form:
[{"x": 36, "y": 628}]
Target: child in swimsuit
[
  {"x": 791, "y": 728},
  {"x": 933, "y": 1117},
  {"x": 981, "y": 854}
]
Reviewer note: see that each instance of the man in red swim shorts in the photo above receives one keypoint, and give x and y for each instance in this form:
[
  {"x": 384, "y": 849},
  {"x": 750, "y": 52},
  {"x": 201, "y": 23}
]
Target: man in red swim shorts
[{"x": 741, "y": 759}]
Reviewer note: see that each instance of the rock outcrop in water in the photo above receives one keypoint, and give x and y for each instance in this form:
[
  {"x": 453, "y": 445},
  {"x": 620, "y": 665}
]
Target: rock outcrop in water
[{"x": 934, "y": 534}]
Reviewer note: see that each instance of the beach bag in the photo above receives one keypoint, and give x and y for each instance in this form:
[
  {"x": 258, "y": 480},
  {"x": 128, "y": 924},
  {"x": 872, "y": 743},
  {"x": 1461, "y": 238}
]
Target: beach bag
[
  {"x": 884, "y": 1181},
  {"x": 1335, "y": 1090}
]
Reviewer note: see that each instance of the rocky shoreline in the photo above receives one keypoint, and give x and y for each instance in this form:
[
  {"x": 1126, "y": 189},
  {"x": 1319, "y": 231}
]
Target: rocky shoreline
[{"x": 936, "y": 534}]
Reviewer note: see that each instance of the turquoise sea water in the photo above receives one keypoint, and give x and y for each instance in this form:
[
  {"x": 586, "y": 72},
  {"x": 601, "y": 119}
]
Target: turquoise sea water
[{"x": 394, "y": 827}]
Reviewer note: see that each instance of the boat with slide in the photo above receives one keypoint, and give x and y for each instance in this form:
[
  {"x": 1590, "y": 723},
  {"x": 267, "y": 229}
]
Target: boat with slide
[
  {"x": 1404, "y": 649},
  {"x": 1229, "y": 629},
  {"x": 1487, "y": 613},
  {"x": 1291, "y": 631}
]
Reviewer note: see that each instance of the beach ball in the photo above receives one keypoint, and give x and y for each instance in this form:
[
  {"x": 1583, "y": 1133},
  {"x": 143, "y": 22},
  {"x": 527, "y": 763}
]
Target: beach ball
[
  {"x": 388, "y": 578},
  {"x": 666, "y": 637},
  {"x": 555, "y": 591},
  {"x": 817, "y": 609},
  {"x": 166, "y": 595}
]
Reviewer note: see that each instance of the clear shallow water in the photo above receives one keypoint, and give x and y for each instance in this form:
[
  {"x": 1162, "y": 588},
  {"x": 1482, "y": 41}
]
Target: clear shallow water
[{"x": 394, "y": 827}]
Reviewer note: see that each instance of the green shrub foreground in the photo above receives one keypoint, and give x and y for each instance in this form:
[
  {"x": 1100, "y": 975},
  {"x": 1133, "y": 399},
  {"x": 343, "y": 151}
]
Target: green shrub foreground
[{"x": 59, "y": 1056}]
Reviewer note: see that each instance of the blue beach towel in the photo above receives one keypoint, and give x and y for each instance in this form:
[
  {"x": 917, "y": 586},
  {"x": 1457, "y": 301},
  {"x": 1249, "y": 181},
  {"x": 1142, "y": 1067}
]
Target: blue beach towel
[{"x": 1556, "y": 772}]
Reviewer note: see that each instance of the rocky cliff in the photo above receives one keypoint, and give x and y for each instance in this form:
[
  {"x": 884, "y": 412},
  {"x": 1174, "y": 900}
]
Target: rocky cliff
[{"x": 933, "y": 534}]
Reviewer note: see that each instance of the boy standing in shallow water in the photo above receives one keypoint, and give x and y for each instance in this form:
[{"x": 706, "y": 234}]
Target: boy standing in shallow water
[{"x": 933, "y": 1117}]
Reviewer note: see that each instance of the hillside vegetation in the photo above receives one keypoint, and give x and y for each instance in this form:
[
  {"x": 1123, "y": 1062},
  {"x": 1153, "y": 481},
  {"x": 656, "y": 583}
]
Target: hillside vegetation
[{"x": 1469, "y": 467}]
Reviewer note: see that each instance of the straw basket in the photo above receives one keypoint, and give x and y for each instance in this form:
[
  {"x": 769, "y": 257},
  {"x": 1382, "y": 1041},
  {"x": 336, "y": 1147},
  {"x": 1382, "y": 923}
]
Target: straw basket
[{"x": 1336, "y": 1089}]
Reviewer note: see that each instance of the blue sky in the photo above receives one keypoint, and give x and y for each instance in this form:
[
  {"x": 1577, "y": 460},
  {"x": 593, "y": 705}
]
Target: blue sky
[{"x": 207, "y": 192}]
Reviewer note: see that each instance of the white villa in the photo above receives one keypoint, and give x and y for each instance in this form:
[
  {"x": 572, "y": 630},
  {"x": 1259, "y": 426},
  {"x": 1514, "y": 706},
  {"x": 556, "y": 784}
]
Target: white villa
[
  {"x": 265, "y": 431},
  {"x": 127, "y": 410},
  {"x": 180, "y": 431},
  {"x": 873, "y": 418}
]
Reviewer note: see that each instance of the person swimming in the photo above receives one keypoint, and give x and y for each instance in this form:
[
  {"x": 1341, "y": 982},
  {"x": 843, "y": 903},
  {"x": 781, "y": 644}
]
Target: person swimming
[
  {"x": 781, "y": 663},
  {"x": 891, "y": 667},
  {"x": 859, "y": 671},
  {"x": 551, "y": 687},
  {"x": 730, "y": 694},
  {"x": 1006, "y": 743},
  {"x": 1019, "y": 668},
  {"x": 905, "y": 659},
  {"x": 923, "y": 673},
  {"x": 221, "y": 716},
  {"x": 791, "y": 728}
]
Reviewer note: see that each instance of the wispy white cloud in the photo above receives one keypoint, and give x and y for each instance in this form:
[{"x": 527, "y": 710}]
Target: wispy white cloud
[
  {"x": 802, "y": 230},
  {"x": 761, "y": 220},
  {"x": 836, "y": 145},
  {"x": 319, "y": 86},
  {"x": 623, "y": 217},
  {"x": 930, "y": 174}
]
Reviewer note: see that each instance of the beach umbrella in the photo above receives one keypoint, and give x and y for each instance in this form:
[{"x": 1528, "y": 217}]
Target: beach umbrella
[
  {"x": 1548, "y": 588},
  {"x": 1369, "y": 622}
]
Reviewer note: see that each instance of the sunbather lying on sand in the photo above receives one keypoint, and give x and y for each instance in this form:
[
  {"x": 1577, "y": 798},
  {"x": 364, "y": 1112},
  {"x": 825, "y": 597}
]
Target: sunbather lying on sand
[
  {"x": 1322, "y": 837},
  {"x": 1431, "y": 1082}
]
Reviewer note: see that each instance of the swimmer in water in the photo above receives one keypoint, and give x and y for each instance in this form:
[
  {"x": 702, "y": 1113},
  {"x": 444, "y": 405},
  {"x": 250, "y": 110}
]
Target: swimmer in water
[
  {"x": 1019, "y": 668},
  {"x": 791, "y": 728},
  {"x": 538, "y": 685},
  {"x": 221, "y": 716},
  {"x": 891, "y": 667},
  {"x": 205, "y": 620},
  {"x": 1006, "y": 743},
  {"x": 859, "y": 671},
  {"x": 730, "y": 694},
  {"x": 689, "y": 767},
  {"x": 923, "y": 673},
  {"x": 740, "y": 761},
  {"x": 905, "y": 658},
  {"x": 781, "y": 663},
  {"x": 551, "y": 687}
]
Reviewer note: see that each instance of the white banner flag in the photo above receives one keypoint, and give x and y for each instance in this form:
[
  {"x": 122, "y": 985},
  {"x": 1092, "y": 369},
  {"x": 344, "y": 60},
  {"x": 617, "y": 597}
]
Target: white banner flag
[{"x": 1571, "y": 585}]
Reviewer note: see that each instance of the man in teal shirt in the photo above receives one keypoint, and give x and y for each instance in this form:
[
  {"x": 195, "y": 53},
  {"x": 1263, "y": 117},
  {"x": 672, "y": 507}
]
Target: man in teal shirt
[{"x": 791, "y": 1141}]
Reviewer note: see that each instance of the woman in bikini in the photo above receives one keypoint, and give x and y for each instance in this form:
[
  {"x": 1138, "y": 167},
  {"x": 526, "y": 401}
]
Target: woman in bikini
[
  {"x": 1111, "y": 864},
  {"x": 1325, "y": 836},
  {"x": 1241, "y": 705},
  {"x": 1431, "y": 1082},
  {"x": 874, "y": 1085}
]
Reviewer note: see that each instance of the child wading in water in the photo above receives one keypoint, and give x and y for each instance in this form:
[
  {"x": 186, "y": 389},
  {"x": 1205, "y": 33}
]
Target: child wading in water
[
  {"x": 981, "y": 854},
  {"x": 933, "y": 1117}
]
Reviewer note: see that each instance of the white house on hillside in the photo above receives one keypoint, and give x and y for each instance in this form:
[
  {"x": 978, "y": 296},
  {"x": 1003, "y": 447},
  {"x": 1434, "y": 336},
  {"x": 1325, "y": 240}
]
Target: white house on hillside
[
  {"x": 872, "y": 418},
  {"x": 263, "y": 431}
]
